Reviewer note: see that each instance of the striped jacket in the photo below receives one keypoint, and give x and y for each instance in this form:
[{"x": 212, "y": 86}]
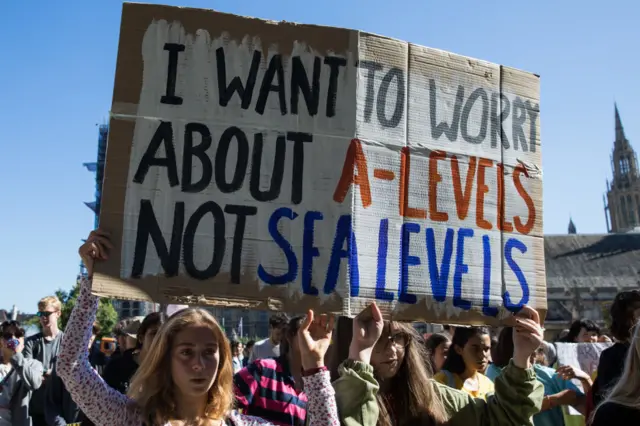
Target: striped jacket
[{"x": 266, "y": 389}]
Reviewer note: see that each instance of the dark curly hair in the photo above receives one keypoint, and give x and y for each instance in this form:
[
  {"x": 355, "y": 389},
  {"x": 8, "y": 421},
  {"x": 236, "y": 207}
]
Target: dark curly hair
[{"x": 279, "y": 320}]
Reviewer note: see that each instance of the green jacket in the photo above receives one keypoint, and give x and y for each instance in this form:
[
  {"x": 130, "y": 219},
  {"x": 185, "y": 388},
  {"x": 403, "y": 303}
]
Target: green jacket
[{"x": 518, "y": 396}]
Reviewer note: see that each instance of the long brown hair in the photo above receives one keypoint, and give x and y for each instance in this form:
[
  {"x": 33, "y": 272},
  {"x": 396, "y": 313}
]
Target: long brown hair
[
  {"x": 411, "y": 399},
  {"x": 152, "y": 386},
  {"x": 415, "y": 400},
  {"x": 626, "y": 392}
]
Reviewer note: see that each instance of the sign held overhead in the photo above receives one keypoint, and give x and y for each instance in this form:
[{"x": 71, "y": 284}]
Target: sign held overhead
[{"x": 281, "y": 166}]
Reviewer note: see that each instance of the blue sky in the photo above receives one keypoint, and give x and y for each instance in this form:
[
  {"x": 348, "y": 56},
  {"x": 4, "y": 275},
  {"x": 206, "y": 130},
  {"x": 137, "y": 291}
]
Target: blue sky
[{"x": 56, "y": 79}]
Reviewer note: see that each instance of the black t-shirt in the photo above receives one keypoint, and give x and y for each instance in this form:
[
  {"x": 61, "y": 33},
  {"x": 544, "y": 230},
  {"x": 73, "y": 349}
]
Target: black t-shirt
[
  {"x": 120, "y": 370},
  {"x": 610, "y": 369},
  {"x": 612, "y": 414}
]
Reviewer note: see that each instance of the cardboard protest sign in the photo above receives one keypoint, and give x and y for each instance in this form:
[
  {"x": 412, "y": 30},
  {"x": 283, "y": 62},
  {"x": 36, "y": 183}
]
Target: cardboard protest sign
[
  {"x": 584, "y": 356},
  {"x": 280, "y": 166}
]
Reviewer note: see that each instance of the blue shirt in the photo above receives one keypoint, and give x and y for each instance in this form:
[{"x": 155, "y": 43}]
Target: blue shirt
[
  {"x": 552, "y": 383},
  {"x": 492, "y": 372}
]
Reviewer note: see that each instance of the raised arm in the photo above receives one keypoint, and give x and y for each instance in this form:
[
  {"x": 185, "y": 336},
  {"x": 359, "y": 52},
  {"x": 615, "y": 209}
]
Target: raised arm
[
  {"x": 100, "y": 403},
  {"x": 356, "y": 392},
  {"x": 357, "y": 389},
  {"x": 518, "y": 394},
  {"x": 314, "y": 338},
  {"x": 321, "y": 406}
]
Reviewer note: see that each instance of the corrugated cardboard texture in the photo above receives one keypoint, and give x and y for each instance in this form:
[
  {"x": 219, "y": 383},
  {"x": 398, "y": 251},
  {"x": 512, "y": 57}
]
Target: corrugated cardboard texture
[{"x": 281, "y": 166}]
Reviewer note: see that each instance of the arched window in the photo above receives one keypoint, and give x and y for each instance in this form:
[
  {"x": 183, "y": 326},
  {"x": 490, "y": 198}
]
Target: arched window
[
  {"x": 624, "y": 165},
  {"x": 623, "y": 213},
  {"x": 631, "y": 212}
]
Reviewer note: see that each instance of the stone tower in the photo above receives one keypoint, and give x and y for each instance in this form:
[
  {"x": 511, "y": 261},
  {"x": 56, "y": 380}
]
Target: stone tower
[{"x": 622, "y": 204}]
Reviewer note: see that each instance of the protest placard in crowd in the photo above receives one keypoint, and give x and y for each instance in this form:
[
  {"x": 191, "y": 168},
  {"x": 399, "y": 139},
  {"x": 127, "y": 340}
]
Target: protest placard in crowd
[{"x": 273, "y": 165}]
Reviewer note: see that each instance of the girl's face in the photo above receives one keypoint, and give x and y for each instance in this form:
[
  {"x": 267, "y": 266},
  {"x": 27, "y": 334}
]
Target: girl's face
[
  {"x": 586, "y": 336},
  {"x": 236, "y": 350},
  {"x": 440, "y": 355},
  {"x": 195, "y": 356},
  {"x": 476, "y": 352},
  {"x": 388, "y": 353}
]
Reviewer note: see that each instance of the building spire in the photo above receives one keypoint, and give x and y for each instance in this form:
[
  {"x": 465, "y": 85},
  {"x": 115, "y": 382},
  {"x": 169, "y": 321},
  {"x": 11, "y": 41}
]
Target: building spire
[
  {"x": 572, "y": 227},
  {"x": 619, "y": 129}
]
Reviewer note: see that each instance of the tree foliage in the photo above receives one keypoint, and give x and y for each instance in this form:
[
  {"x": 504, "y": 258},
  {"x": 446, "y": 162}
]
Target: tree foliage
[{"x": 106, "y": 318}]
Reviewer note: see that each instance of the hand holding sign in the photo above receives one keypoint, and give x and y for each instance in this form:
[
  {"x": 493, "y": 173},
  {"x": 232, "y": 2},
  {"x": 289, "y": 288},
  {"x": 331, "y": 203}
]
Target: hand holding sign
[
  {"x": 314, "y": 338},
  {"x": 367, "y": 329},
  {"x": 95, "y": 248},
  {"x": 527, "y": 336}
]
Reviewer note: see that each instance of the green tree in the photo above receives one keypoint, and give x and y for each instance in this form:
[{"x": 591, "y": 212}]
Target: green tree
[{"x": 106, "y": 318}]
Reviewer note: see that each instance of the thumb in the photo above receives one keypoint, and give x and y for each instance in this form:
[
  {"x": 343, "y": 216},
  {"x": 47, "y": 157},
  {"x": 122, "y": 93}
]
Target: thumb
[{"x": 307, "y": 321}]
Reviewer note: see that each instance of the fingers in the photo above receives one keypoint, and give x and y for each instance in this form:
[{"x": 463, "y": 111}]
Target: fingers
[
  {"x": 528, "y": 325},
  {"x": 307, "y": 322},
  {"x": 529, "y": 313},
  {"x": 332, "y": 323},
  {"x": 103, "y": 241},
  {"x": 99, "y": 232},
  {"x": 325, "y": 323},
  {"x": 566, "y": 370}
]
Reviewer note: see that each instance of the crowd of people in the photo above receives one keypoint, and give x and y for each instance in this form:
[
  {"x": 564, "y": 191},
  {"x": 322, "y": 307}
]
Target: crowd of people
[{"x": 182, "y": 370}]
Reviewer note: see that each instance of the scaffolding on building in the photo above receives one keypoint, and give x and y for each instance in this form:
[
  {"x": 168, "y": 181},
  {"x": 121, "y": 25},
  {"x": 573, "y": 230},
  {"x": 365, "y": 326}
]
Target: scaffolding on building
[
  {"x": 97, "y": 167},
  {"x": 124, "y": 308}
]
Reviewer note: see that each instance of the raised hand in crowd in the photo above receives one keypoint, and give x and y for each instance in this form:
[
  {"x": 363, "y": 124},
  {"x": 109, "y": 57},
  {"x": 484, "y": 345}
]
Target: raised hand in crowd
[
  {"x": 367, "y": 329},
  {"x": 314, "y": 338},
  {"x": 527, "y": 336},
  {"x": 95, "y": 248},
  {"x": 569, "y": 372}
]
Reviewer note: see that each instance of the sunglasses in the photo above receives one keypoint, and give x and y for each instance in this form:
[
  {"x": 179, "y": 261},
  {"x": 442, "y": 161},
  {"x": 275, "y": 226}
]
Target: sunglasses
[{"x": 44, "y": 314}]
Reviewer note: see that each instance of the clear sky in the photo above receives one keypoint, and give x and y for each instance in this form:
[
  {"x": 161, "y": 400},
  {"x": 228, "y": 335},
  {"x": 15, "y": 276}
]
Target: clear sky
[{"x": 56, "y": 77}]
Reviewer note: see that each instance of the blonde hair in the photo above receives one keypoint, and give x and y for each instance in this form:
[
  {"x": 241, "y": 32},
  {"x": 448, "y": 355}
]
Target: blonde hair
[
  {"x": 152, "y": 386},
  {"x": 52, "y": 301},
  {"x": 627, "y": 391}
]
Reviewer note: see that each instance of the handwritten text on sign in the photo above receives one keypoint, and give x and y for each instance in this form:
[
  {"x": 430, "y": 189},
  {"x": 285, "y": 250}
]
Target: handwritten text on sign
[{"x": 404, "y": 179}]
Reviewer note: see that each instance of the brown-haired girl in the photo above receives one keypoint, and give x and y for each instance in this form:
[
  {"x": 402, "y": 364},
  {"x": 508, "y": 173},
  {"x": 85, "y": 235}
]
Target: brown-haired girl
[
  {"x": 391, "y": 386},
  {"x": 186, "y": 377}
]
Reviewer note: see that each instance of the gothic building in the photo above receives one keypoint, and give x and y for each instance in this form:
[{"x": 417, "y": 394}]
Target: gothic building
[
  {"x": 585, "y": 272},
  {"x": 622, "y": 203}
]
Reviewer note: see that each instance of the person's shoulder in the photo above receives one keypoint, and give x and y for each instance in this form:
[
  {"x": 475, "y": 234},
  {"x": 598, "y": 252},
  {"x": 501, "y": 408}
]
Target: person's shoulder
[
  {"x": 440, "y": 377},
  {"x": 261, "y": 342},
  {"x": 609, "y": 411},
  {"x": 614, "y": 350},
  {"x": 272, "y": 363},
  {"x": 33, "y": 338},
  {"x": 544, "y": 370}
]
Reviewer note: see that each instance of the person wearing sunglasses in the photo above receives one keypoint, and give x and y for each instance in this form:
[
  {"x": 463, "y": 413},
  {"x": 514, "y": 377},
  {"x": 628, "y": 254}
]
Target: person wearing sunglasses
[
  {"x": 19, "y": 377},
  {"x": 44, "y": 347}
]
